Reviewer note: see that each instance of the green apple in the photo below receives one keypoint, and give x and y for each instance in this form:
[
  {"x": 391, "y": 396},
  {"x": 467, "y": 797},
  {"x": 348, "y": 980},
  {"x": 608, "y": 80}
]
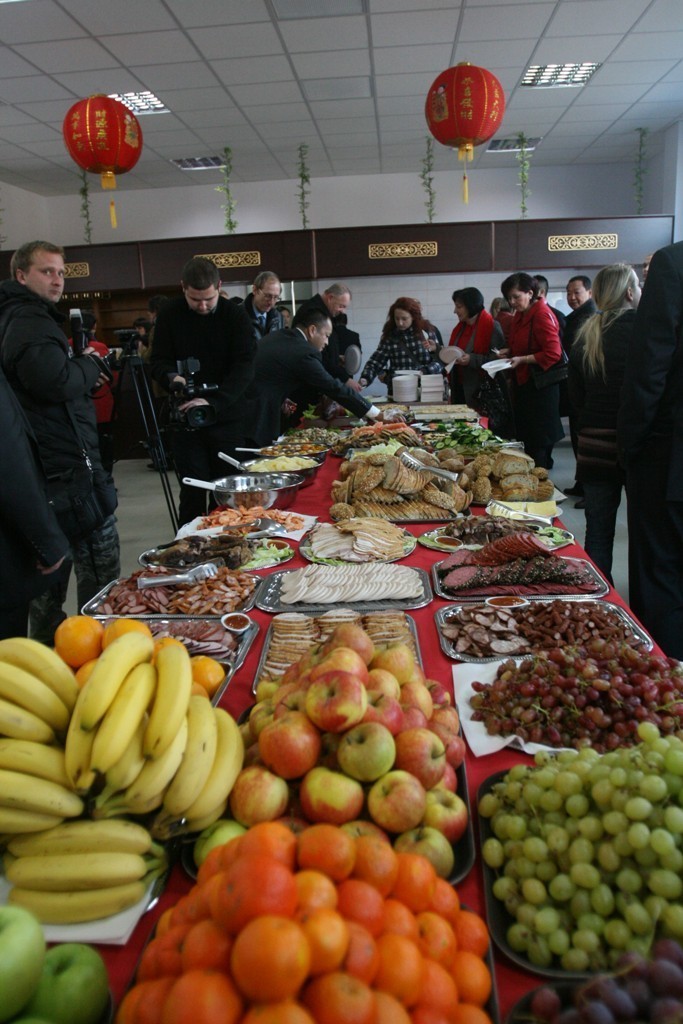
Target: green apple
[
  {"x": 22, "y": 954},
  {"x": 73, "y": 986},
  {"x": 221, "y": 832}
]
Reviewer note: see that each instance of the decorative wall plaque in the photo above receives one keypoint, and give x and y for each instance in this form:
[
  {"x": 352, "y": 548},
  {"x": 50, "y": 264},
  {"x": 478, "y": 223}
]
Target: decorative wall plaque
[
  {"x": 582, "y": 243},
  {"x": 401, "y": 250},
  {"x": 225, "y": 260},
  {"x": 72, "y": 270}
]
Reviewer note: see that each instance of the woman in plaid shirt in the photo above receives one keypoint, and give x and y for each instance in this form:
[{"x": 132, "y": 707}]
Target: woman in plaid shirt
[{"x": 408, "y": 342}]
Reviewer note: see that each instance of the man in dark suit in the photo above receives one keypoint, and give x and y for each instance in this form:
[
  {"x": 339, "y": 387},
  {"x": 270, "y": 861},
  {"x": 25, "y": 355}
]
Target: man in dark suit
[
  {"x": 261, "y": 304},
  {"x": 291, "y": 358},
  {"x": 334, "y": 301},
  {"x": 580, "y": 298},
  {"x": 650, "y": 438}
]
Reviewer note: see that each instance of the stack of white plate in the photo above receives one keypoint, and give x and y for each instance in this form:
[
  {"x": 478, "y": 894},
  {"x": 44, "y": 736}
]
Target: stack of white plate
[
  {"x": 431, "y": 388},
  {"x": 405, "y": 387}
]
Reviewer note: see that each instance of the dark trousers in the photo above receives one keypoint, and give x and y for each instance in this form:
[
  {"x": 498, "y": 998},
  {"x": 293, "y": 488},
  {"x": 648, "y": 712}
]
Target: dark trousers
[
  {"x": 655, "y": 548},
  {"x": 195, "y": 454},
  {"x": 603, "y": 498},
  {"x": 14, "y": 621}
]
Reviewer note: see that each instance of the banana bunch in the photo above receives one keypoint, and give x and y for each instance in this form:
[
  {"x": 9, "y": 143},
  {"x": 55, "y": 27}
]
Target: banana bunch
[
  {"x": 82, "y": 870},
  {"x": 35, "y": 793},
  {"x": 37, "y": 691}
]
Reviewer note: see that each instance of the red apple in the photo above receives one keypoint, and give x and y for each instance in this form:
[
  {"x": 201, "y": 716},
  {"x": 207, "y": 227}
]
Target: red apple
[
  {"x": 380, "y": 679},
  {"x": 447, "y": 717},
  {"x": 330, "y": 796},
  {"x": 432, "y": 844},
  {"x": 266, "y": 688},
  {"x": 439, "y": 693},
  {"x": 447, "y": 813},
  {"x": 416, "y": 675},
  {"x": 290, "y": 745},
  {"x": 384, "y": 709},
  {"x": 449, "y": 779},
  {"x": 413, "y": 717},
  {"x": 293, "y": 700},
  {"x": 258, "y": 795},
  {"x": 397, "y": 801},
  {"x": 361, "y": 827},
  {"x": 419, "y": 695},
  {"x": 396, "y": 658},
  {"x": 367, "y": 751},
  {"x": 336, "y": 700},
  {"x": 252, "y": 755},
  {"x": 260, "y": 715},
  {"x": 456, "y": 749},
  {"x": 422, "y": 753},
  {"x": 328, "y": 750},
  {"x": 294, "y": 823},
  {"x": 350, "y": 634},
  {"x": 341, "y": 659}
]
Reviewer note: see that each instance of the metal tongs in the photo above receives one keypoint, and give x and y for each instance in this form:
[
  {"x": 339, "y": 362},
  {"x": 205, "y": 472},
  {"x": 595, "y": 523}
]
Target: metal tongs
[
  {"x": 409, "y": 460},
  {"x": 499, "y": 508},
  {"x": 195, "y": 575}
]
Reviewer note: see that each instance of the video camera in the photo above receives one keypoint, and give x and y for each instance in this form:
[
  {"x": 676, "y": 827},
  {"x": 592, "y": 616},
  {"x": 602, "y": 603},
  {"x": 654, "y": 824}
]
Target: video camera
[
  {"x": 128, "y": 339},
  {"x": 198, "y": 415}
]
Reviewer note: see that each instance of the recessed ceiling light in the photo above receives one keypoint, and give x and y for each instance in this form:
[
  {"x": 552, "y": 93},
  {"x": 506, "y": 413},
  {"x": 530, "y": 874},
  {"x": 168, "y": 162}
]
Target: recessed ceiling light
[
  {"x": 140, "y": 102},
  {"x": 554, "y": 76},
  {"x": 512, "y": 145},
  {"x": 199, "y": 163}
]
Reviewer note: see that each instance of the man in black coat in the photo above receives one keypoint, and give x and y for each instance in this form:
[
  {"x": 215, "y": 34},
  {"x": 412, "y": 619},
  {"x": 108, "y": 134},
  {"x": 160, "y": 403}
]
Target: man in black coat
[
  {"x": 204, "y": 326},
  {"x": 580, "y": 298},
  {"x": 54, "y": 387},
  {"x": 334, "y": 301},
  {"x": 650, "y": 439},
  {"x": 294, "y": 357},
  {"x": 261, "y": 304}
]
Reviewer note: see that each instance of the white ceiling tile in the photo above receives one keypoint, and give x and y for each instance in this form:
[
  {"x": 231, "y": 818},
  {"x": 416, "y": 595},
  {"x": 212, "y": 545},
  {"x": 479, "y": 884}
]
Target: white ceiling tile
[
  {"x": 517, "y": 21},
  {"x": 151, "y": 48},
  {"x": 336, "y": 88},
  {"x": 182, "y": 100},
  {"x": 395, "y": 86},
  {"x": 218, "y": 117},
  {"x": 338, "y": 64},
  {"x": 392, "y": 6},
  {"x": 316, "y": 34},
  {"x": 343, "y": 108},
  {"x": 192, "y": 74},
  {"x": 266, "y": 113},
  {"x": 12, "y": 65},
  {"x": 395, "y": 29},
  {"x": 662, "y": 15},
  {"x": 102, "y": 17},
  {"x": 108, "y": 80},
  {"x": 575, "y": 49},
  {"x": 625, "y": 72},
  {"x": 594, "y": 95},
  {"x": 40, "y": 19},
  {"x": 29, "y": 90},
  {"x": 496, "y": 54},
  {"x": 393, "y": 59},
  {"x": 347, "y": 125},
  {"x": 657, "y": 45},
  {"x": 222, "y": 41},
  {"x": 598, "y": 17},
  {"x": 401, "y": 105},
  {"x": 255, "y": 95},
  {"x": 246, "y": 70},
  {"x": 217, "y": 12}
]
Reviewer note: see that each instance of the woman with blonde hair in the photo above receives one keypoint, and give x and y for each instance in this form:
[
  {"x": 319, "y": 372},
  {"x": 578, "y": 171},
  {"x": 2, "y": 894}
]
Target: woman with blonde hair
[{"x": 597, "y": 362}]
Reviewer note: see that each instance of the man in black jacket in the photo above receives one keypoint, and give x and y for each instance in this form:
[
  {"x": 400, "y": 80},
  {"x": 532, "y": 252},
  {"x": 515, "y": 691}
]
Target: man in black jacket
[
  {"x": 53, "y": 387},
  {"x": 261, "y": 304},
  {"x": 580, "y": 299},
  {"x": 203, "y": 326},
  {"x": 294, "y": 357}
]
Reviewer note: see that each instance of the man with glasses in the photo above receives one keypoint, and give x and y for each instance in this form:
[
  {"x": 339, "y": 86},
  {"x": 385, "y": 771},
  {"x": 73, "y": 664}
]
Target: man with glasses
[
  {"x": 204, "y": 326},
  {"x": 261, "y": 305}
]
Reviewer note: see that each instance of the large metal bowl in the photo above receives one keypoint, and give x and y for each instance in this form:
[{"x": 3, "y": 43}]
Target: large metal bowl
[
  {"x": 269, "y": 490},
  {"x": 307, "y": 473}
]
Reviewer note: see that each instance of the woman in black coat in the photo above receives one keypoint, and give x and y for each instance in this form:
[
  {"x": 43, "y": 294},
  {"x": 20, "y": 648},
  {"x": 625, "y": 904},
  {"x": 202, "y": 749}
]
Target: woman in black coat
[
  {"x": 597, "y": 363},
  {"x": 32, "y": 547}
]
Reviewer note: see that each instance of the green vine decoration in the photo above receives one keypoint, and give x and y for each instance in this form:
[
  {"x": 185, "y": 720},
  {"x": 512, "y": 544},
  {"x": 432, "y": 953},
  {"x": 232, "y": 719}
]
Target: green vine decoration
[
  {"x": 640, "y": 169},
  {"x": 524, "y": 163},
  {"x": 84, "y": 193},
  {"x": 427, "y": 178},
  {"x": 229, "y": 206},
  {"x": 304, "y": 184}
]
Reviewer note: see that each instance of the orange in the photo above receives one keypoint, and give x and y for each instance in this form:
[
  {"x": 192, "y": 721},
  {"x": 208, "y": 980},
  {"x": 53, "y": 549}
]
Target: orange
[
  {"x": 362, "y": 958},
  {"x": 401, "y": 967},
  {"x": 202, "y": 997},
  {"x": 339, "y": 998},
  {"x": 206, "y": 946},
  {"x": 389, "y": 1010},
  {"x": 270, "y": 959},
  {"x": 415, "y": 881},
  {"x": 250, "y": 887},
  {"x": 83, "y": 673},
  {"x": 328, "y": 849},
  {"x": 166, "y": 641},
  {"x": 439, "y": 991},
  {"x": 208, "y": 672},
  {"x": 376, "y": 863},
  {"x": 79, "y": 639},
  {"x": 271, "y": 839},
  {"x": 465, "y": 1013},
  {"x": 445, "y": 900},
  {"x": 199, "y": 691},
  {"x": 163, "y": 955},
  {"x": 328, "y": 938},
  {"x": 471, "y": 932},
  {"x": 428, "y": 1015},
  {"x": 286, "y": 1012},
  {"x": 436, "y": 937},
  {"x": 399, "y": 920},
  {"x": 164, "y": 922},
  {"x": 360, "y": 901},
  {"x": 118, "y": 627},
  {"x": 143, "y": 1003},
  {"x": 472, "y": 978},
  {"x": 315, "y": 891}
]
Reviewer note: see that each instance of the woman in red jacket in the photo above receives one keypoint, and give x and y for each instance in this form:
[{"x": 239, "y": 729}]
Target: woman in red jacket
[{"x": 534, "y": 346}]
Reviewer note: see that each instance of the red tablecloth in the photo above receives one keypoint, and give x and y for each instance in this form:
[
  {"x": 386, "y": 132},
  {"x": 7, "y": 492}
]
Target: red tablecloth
[{"x": 511, "y": 982}]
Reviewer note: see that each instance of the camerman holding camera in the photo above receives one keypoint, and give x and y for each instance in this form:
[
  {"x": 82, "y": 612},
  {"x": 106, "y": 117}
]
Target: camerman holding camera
[
  {"x": 54, "y": 387},
  {"x": 203, "y": 354}
]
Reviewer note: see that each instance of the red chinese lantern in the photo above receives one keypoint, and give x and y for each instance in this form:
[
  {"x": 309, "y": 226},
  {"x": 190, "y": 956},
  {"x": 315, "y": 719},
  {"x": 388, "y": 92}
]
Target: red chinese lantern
[
  {"x": 464, "y": 107},
  {"x": 103, "y": 137}
]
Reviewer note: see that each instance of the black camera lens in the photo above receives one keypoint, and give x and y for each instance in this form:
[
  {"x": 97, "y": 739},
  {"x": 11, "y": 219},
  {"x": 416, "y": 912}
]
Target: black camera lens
[{"x": 200, "y": 416}]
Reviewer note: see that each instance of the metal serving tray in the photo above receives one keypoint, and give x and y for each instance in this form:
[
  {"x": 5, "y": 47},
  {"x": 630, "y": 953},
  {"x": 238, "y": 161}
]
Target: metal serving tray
[
  {"x": 448, "y": 646},
  {"x": 305, "y": 549},
  {"x": 94, "y": 605},
  {"x": 268, "y": 598},
  {"x": 601, "y": 587}
]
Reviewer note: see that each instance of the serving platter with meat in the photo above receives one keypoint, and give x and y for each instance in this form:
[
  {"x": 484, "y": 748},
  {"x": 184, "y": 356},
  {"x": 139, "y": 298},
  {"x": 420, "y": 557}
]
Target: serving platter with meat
[
  {"x": 233, "y": 549},
  {"x": 481, "y": 633},
  {"x": 360, "y": 587},
  {"x": 366, "y": 539},
  {"x": 227, "y": 591}
]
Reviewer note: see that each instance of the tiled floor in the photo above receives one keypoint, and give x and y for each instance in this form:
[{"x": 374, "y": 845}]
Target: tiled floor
[{"x": 144, "y": 521}]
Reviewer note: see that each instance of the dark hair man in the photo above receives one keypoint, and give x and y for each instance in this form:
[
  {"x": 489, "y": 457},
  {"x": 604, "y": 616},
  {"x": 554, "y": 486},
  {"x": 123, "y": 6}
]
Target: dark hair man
[
  {"x": 261, "y": 304},
  {"x": 53, "y": 387},
  {"x": 580, "y": 298},
  {"x": 290, "y": 358},
  {"x": 543, "y": 288},
  {"x": 201, "y": 325}
]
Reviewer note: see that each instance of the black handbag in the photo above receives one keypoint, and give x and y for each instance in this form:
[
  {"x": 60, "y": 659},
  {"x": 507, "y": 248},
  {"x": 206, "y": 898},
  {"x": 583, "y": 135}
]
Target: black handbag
[
  {"x": 492, "y": 399},
  {"x": 559, "y": 371},
  {"x": 75, "y": 503}
]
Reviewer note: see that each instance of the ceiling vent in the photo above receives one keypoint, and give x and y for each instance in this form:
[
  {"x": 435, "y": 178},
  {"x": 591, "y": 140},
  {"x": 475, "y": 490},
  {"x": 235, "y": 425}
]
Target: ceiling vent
[
  {"x": 512, "y": 145},
  {"x": 140, "y": 103},
  {"x": 199, "y": 163},
  {"x": 557, "y": 76}
]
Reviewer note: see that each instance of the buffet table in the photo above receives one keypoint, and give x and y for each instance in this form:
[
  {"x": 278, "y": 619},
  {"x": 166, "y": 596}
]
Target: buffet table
[{"x": 511, "y": 981}]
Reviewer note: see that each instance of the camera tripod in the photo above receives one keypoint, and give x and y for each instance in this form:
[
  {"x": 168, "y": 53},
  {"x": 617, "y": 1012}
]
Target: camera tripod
[{"x": 153, "y": 441}]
